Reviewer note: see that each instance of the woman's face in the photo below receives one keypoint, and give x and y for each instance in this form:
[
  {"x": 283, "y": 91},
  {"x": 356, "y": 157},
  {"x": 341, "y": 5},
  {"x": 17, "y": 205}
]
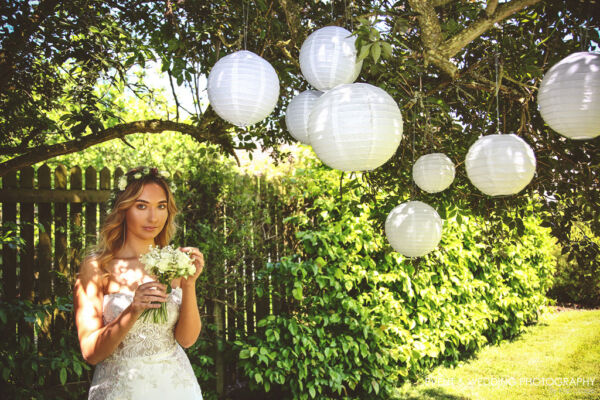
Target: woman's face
[{"x": 148, "y": 215}]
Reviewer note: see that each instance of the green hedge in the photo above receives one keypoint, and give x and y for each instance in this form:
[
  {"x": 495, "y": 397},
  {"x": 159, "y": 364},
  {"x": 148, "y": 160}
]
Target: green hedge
[{"x": 365, "y": 318}]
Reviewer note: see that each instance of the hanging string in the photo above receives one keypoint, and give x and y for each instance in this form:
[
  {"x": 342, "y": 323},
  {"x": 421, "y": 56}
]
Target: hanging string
[
  {"x": 332, "y": 14},
  {"x": 245, "y": 12},
  {"x": 583, "y": 33},
  {"x": 496, "y": 62},
  {"x": 351, "y": 16},
  {"x": 413, "y": 188}
]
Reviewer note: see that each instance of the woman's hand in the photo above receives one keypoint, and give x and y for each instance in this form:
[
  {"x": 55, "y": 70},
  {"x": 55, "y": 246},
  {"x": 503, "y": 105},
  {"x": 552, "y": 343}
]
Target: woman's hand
[
  {"x": 148, "y": 295},
  {"x": 198, "y": 260}
]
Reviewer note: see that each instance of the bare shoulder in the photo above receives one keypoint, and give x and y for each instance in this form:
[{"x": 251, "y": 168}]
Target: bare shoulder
[{"x": 90, "y": 268}]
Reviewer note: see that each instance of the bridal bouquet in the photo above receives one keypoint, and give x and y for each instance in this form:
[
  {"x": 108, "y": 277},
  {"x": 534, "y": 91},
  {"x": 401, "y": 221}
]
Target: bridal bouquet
[{"x": 166, "y": 264}]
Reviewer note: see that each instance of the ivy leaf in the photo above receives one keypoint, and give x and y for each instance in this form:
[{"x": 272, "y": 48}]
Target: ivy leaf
[
  {"x": 63, "y": 376},
  {"x": 364, "y": 52},
  {"x": 386, "y": 49},
  {"x": 375, "y": 52}
]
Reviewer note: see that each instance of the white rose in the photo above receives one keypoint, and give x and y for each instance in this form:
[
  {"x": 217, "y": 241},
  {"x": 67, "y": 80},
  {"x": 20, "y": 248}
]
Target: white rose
[
  {"x": 122, "y": 183},
  {"x": 163, "y": 265}
]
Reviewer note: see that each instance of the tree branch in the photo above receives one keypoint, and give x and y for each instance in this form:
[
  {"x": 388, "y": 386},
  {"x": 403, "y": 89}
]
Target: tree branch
[
  {"x": 455, "y": 44},
  {"x": 490, "y": 8},
  {"x": 292, "y": 12},
  {"x": 440, "y": 52},
  {"x": 440, "y": 3},
  {"x": 42, "y": 153}
]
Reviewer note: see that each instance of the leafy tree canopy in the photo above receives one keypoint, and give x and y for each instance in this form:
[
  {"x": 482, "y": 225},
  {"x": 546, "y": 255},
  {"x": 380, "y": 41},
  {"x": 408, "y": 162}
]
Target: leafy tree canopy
[{"x": 453, "y": 66}]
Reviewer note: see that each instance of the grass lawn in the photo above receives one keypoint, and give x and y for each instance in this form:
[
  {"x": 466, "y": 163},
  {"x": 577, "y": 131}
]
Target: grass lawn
[{"x": 550, "y": 360}]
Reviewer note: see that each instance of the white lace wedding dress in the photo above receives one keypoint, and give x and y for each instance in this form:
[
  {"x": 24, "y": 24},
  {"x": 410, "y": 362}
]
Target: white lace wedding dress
[{"x": 149, "y": 364}]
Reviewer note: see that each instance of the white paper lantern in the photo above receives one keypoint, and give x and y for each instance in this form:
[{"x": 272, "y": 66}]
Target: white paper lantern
[
  {"x": 297, "y": 113},
  {"x": 569, "y": 96},
  {"x": 413, "y": 228},
  {"x": 433, "y": 172},
  {"x": 355, "y": 127},
  {"x": 243, "y": 88},
  {"x": 500, "y": 165},
  {"x": 328, "y": 58}
]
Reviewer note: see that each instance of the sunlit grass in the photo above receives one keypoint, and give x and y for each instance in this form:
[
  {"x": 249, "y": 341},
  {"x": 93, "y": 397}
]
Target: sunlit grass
[{"x": 563, "y": 345}]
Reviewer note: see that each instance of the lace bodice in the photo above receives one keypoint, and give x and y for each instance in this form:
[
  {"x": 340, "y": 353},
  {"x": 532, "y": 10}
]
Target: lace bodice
[
  {"x": 144, "y": 338},
  {"x": 148, "y": 364}
]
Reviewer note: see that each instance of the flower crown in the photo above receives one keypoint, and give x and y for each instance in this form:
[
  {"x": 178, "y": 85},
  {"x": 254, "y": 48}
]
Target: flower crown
[{"x": 136, "y": 174}]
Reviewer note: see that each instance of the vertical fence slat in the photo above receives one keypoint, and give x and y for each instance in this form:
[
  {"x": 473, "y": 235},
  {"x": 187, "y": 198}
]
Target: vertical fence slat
[
  {"x": 104, "y": 185},
  {"x": 75, "y": 234},
  {"x": 43, "y": 263},
  {"x": 219, "y": 320},
  {"x": 60, "y": 236},
  {"x": 9, "y": 260},
  {"x": 44, "y": 253},
  {"x": 230, "y": 299},
  {"x": 90, "y": 208},
  {"x": 61, "y": 266},
  {"x": 262, "y": 255},
  {"x": 75, "y": 226},
  {"x": 249, "y": 289},
  {"x": 9, "y": 253},
  {"x": 26, "y": 178},
  {"x": 239, "y": 294}
]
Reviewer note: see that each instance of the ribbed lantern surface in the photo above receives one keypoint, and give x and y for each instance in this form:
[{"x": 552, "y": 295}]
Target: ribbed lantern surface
[
  {"x": 433, "y": 172},
  {"x": 328, "y": 58},
  {"x": 500, "y": 165},
  {"x": 297, "y": 113},
  {"x": 243, "y": 88},
  {"x": 569, "y": 96},
  {"x": 355, "y": 127},
  {"x": 413, "y": 228}
]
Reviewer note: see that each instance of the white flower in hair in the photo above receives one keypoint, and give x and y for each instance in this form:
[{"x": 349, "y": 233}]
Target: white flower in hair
[
  {"x": 165, "y": 174},
  {"x": 122, "y": 184},
  {"x": 137, "y": 175}
]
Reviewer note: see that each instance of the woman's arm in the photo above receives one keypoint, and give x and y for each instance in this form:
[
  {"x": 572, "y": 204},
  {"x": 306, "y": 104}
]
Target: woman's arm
[
  {"x": 189, "y": 325},
  {"x": 97, "y": 341}
]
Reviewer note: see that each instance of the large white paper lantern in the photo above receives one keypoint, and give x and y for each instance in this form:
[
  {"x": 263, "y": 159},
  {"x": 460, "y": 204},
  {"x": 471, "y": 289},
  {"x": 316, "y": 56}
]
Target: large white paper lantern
[
  {"x": 355, "y": 127},
  {"x": 297, "y": 113},
  {"x": 569, "y": 96},
  {"x": 500, "y": 165},
  {"x": 413, "y": 228},
  {"x": 328, "y": 58},
  {"x": 243, "y": 88},
  {"x": 433, "y": 172}
]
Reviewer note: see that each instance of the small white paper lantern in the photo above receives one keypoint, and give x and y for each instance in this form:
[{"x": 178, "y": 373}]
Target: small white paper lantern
[
  {"x": 297, "y": 113},
  {"x": 413, "y": 228},
  {"x": 569, "y": 96},
  {"x": 328, "y": 58},
  {"x": 500, "y": 165},
  {"x": 355, "y": 127},
  {"x": 433, "y": 172},
  {"x": 243, "y": 88}
]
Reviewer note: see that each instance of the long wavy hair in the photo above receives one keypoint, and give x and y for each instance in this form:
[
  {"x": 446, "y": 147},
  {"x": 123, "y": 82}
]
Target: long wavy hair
[{"x": 113, "y": 232}]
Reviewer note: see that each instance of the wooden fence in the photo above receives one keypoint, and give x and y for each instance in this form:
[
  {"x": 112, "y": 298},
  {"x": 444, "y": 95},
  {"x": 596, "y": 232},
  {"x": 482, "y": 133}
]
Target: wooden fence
[{"x": 58, "y": 214}]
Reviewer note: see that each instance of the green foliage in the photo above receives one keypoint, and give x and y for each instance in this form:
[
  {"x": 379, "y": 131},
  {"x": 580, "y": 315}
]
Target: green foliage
[
  {"x": 360, "y": 318},
  {"x": 577, "y": 278},
  {"x": 44, "y": 368}
]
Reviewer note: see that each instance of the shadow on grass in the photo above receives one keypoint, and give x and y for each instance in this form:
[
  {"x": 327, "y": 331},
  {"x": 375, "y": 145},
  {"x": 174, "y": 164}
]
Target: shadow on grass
[{"x": 431, "y": 393}]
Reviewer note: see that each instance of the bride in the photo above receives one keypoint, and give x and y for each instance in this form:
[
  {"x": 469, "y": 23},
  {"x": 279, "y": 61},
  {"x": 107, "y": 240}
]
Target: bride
[{"x": 136, "y": 359}]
